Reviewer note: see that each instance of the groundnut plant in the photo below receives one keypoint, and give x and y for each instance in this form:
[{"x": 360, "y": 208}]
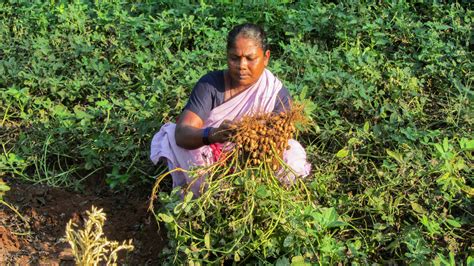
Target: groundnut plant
[
  {"x": 245, "y": 212},
  {"x": 263, "y": 138}
]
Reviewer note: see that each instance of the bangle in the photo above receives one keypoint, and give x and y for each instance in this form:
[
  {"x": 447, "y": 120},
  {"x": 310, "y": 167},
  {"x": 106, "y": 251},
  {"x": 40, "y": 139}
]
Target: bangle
[{"x": 205, "y": 136}]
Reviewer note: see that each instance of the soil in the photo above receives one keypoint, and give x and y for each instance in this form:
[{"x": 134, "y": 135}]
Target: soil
[{"x": 39, "y": 237}]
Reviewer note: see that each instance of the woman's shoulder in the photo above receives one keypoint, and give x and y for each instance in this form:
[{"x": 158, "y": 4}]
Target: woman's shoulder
[
  {"x": 207, "y": 94},
  {"x": 214, "y": 78}
]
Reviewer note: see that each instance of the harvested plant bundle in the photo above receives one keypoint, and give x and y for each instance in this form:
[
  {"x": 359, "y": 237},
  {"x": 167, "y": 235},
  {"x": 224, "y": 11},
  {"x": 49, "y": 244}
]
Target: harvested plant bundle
[
  {"x": 262, "y": 138},
  {"x": 244, "y": 213},
  {"x": 241, "y": 216}
]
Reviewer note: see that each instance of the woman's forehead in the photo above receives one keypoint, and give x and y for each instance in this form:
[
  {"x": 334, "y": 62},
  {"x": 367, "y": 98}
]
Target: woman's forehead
[{"x": 245, "y": 46}]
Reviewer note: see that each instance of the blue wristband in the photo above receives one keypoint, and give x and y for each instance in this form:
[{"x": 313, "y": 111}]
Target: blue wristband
[{"x": 205, "y": 136}]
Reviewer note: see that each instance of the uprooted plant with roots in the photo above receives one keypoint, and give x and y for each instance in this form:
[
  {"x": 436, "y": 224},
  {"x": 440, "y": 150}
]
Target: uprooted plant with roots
[
  {"x": 245, "y": 208},
  {"x": 262, "y": 138}
]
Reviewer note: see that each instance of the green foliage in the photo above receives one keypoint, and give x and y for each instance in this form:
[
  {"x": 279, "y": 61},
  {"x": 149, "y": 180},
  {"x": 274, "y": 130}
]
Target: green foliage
[
  {"x": 248, "y": 216},
  {"x": 3, "y": 188},
  {"x": 388, "y": 87}
]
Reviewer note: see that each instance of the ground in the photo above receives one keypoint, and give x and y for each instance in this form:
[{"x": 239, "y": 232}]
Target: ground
[{"x": 47, "y": 210}]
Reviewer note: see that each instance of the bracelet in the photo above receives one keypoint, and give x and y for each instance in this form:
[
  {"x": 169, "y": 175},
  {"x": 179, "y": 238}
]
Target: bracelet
[{"x": 205, "y": 136}]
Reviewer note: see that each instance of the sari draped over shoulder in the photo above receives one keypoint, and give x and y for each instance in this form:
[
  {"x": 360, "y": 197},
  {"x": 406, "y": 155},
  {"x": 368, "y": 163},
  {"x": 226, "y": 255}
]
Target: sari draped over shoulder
[{"x": 259, "y": 98}]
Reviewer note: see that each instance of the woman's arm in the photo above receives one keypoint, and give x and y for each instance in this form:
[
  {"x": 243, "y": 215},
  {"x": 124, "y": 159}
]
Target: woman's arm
[{"x": 189, "y": 131}]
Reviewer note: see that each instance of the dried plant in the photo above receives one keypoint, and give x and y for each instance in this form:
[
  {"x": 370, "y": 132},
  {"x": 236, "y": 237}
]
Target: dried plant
[{"x": 90, "y": 246}]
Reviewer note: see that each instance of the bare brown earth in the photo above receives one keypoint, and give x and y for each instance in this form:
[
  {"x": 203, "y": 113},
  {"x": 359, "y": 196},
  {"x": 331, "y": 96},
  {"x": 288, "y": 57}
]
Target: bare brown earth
[{"x": 40, "y": 240}]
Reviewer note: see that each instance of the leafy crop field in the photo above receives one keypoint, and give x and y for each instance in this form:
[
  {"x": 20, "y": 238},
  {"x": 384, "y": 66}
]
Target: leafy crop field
[{"x": 387, "y": 88}]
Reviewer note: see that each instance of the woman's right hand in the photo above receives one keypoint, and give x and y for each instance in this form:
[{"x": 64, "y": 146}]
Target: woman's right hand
[{"x": 223, "y": 133}]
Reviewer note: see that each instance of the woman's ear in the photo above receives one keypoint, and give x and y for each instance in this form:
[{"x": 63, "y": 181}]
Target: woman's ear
[{"x": 267, "y": 57}]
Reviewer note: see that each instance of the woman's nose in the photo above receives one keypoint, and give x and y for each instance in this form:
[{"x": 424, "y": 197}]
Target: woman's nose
[{"x": 243, "y": 63}]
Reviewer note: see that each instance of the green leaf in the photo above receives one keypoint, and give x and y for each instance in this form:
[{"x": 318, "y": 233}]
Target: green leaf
[
  {"x": 431, "y": 225},
  {"x": 445, "y": 144},
  {"x": 417, "y": 208},
  {"x": 330, "y": 218},
  {"x": 207, "y": 241},
  {"x": 165, "y": 218},
  {"x": 439, "y": 148},
  {"x": 342, "y": 153},
  {"x": 470, "y": 261},
  {"x": 261, "y": 191},
  {"x": 104, "y": 104},
  {"x": 327, "y": 218},
  {"x": 3, "y": 188},
  {"x": 238, "y": 181},
  {"x": 298, "y": 261},
  {"x": 188, "y": 197},
  {"x": 288, "y": 241},
  {"x": 236, "y": 256},
  {"x": 283, "y": 261},
  {"x": 453, "y": 222},
  {"x": 366, "y": 127},
  {"x": 124, "y": 76},
  {"x": 395, "y": 155},
  {"x": 304, "y": 92},
  {"x": 466, "y": 144},
  {"x": 469, "y": 190}
]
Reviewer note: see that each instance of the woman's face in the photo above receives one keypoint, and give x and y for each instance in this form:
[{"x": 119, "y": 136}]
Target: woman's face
[{"x": 246, "y": 61}]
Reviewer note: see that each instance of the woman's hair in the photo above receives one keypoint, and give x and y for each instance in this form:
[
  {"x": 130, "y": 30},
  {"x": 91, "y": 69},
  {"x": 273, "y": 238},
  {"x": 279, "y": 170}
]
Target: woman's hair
[{"x": 250, "y": 31}]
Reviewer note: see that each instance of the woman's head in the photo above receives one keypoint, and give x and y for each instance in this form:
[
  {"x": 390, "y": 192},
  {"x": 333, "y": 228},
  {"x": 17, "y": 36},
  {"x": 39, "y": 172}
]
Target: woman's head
[
  {"x": 247, "y": 54},
  {"x": 249, "y": 31}
]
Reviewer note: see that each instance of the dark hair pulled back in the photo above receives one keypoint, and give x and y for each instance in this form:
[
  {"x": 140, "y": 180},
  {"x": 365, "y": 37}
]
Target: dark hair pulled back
[{"x": 250, "y": 31}]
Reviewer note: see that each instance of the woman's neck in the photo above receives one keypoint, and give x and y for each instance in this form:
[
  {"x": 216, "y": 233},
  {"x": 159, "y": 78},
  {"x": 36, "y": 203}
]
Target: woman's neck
[{"x": 231, "y": 85}]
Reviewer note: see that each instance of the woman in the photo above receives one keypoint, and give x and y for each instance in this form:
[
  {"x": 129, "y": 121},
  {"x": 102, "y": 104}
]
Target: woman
[{"x": 219, "y": 98}]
